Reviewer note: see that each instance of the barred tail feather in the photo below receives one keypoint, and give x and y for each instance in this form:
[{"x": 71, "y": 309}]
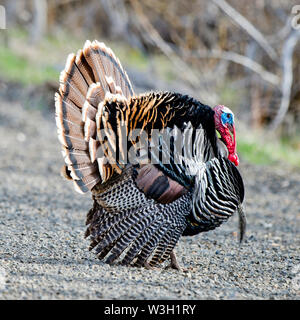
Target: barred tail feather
[{"x": 89, "y": 77}]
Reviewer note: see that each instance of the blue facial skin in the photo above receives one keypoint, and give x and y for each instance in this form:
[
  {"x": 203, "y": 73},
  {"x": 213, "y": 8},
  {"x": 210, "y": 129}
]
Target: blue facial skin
[{"x": 227, "y": 118}]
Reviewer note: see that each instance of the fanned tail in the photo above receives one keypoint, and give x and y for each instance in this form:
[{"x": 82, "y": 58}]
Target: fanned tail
[{"x": 89, "y": 77}]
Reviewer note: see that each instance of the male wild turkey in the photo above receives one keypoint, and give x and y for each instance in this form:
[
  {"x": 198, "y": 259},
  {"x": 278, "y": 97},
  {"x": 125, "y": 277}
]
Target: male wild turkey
[{"x": 180, "y": 180}]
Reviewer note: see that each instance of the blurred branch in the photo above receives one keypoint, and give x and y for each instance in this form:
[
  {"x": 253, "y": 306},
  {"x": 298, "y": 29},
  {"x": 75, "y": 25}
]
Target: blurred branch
[
  {"x": 117, "y": 14},
  {"x": 116, "y": 10},
  {"x": 282, "y": 33},
  {"x": 247, "y": 26},
  {"x": 242, "y": 60},
  {"x": 155, "y": 37},
  {"x": 65, "y": 2},
  {"x": 287, "y": 79},
  {"x": 39, "y": 25}
]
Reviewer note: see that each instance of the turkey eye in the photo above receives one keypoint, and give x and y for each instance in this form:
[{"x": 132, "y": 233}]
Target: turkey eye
[{"x": 228, "y": 115}]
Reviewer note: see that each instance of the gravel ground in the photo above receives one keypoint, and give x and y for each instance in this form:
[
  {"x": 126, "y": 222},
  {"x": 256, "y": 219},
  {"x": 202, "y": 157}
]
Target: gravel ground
[{"x": 43, "y": 254}]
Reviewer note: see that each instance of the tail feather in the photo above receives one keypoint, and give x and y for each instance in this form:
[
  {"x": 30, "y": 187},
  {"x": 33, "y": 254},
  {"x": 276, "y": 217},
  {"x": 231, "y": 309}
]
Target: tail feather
[
  {"x": 68, "y": 120},
  {"x": 89, "y": 129},
  {"x": 86, "y": 183},
  {"x": 74, "y": 76},
  {"x": 70, "y": 128},
  {"x": 93, "y": 57},
  {"x": 88, "y": 111},
  {"x": 79, "y": 171},
  {"x": 66, "y": 109},
  {"x": 105, "y": 63},
  {"x": 75, "y": 157},
  {"x": 84, "y": 68},
  {"x": 95, "y": 94},
  {"x": 71, "y": 84},
  {"x": 89, "y": 77}
]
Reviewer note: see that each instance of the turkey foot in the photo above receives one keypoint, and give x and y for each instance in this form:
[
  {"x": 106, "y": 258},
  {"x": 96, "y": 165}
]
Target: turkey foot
[{"x": 174, "y": 263}]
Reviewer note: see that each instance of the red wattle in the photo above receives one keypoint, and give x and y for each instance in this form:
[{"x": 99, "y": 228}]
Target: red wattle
[{"x": 233, "y": 157}]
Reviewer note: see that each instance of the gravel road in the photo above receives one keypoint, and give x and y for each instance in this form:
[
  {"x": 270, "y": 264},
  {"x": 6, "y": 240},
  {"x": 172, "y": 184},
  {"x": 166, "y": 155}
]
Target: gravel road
[{"x": 43, "y": 254}]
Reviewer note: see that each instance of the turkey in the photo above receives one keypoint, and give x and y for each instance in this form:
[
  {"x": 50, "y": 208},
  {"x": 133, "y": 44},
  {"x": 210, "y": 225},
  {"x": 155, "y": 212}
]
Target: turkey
[{"x": 154, "y": 163}]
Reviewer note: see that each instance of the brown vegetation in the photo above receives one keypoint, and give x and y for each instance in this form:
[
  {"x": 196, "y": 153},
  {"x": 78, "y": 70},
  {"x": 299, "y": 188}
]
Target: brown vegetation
[{"x": 250, "y": 45}]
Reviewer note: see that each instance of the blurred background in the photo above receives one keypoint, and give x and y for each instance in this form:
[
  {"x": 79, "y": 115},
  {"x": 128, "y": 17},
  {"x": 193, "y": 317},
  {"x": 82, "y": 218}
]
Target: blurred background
[{"x": 244, "y": 54}]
